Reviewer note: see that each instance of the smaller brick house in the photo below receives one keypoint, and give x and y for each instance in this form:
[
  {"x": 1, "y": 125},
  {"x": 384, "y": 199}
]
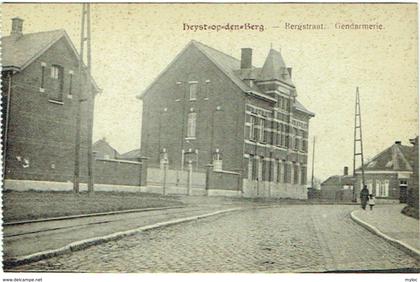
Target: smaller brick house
[
  {"x": 103, "y": 150},
  {"x": 387, "y": 174},
  {"x": 131, "y": 155},
  {"x": 338, "y": 188}
]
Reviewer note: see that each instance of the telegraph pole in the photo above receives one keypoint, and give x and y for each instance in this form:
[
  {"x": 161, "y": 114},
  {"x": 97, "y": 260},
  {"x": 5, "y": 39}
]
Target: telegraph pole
[
  {"x": 92, "y": 100},
  {"x": 358, "y": 139},
  {"x": 313, "y": 160},
  {"x": 83, "y": 74}
]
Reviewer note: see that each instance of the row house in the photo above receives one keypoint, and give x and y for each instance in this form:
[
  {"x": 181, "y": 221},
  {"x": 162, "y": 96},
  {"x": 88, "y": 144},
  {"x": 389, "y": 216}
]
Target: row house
[
  {"x": 40, "y": 99},
  {"x": 208, "y": 107}
]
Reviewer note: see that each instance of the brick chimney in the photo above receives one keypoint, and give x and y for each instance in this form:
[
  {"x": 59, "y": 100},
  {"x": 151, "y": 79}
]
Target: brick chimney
[
  {"x": 346, "y": 170},
  {"x": 246, "y": 58},
  {"x": 17, "y": 26},
  {"x": 289, "y": 70}
]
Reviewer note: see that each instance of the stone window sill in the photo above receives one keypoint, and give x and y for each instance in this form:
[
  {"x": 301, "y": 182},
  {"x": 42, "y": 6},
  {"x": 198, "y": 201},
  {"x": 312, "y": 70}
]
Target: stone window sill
[{"x": 56, "y": 102}]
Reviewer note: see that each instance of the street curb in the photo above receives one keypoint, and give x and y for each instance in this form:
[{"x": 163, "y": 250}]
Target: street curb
[
  {"x": 90, "y": 215},
  {"x": 83, "y": 244},
  {"x": 396, "y": 243}
]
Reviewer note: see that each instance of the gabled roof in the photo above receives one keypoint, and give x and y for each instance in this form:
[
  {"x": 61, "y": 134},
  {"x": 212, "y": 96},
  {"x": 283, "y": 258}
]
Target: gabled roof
[
  {"x": 231, "y": 67},
  {"x": 338, "y": 180},
  {"x": 395, "y": 158},
  {"x": 133, "y": 154},
  {"x": 19, "y": 51},
  {"x": 300, "y": 107},
  {"x": 274, "y": 68},
  {"x": 99, "y": 146}
]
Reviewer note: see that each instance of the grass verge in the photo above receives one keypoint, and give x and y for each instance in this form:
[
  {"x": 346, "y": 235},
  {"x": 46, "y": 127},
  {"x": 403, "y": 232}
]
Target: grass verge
[{"x": 35, "y": 205}]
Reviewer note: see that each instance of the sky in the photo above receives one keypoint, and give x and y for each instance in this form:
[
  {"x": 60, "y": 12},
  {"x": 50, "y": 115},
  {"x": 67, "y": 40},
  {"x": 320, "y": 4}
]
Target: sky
[{"x": 133, "y": 43}]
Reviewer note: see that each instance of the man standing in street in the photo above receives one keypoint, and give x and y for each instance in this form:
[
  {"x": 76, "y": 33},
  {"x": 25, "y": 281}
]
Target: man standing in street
[{"x": 364, "y": 196}]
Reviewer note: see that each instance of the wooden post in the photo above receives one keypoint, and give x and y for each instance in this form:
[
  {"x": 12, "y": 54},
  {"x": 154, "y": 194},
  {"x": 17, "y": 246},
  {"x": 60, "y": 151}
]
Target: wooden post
[
  {"x": 189, "y": 182},
  {"x": 164, "y": 174}
]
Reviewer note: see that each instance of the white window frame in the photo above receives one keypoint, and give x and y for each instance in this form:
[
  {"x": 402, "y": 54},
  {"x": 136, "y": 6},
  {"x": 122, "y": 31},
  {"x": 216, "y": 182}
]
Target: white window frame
[
  {"x": 385, "y": 189},
  {"x": 251, "y": 127},
  {"x": 192, "y": 125},
  {"x": 193, "y": 94},
  {"x": 262, "y": 130},
  {"x": 369, "y": 184},
  {"x": 55, "y": 70}
]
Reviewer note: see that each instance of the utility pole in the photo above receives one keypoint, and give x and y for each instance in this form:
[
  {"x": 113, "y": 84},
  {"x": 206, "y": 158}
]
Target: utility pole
[
  {"x": 89, "y": 96},
  {"x": 358, "y": 139},
  {"x": 84, "y": 78},
  {"x": 313, "y": 161}
]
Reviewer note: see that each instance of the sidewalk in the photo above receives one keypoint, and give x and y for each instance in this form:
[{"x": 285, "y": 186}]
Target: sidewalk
[{"x": 388, "y": 222}]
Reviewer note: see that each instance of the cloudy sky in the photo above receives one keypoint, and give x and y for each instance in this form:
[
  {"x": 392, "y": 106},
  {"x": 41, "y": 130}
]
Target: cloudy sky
[{"x": 132, "y": 43}]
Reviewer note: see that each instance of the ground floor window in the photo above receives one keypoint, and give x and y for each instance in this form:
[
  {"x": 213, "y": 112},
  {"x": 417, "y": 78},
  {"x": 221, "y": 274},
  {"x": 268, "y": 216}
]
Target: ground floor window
[
  {"x": 382, "y": 188},
  {"x": 254, "y": 168},
  {"x": 279, "y": 172},
  {"x": 285, "y": 172},
  {"x": 296, "y": 174},
  {"x": 303, "y": 175}
]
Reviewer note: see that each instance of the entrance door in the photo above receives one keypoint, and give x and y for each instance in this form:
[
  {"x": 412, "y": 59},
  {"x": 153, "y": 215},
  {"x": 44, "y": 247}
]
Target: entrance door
[{"x": 403, "y": 191}]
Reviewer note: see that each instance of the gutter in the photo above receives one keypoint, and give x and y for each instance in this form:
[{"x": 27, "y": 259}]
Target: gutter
[{"x": 260, "y": 95}]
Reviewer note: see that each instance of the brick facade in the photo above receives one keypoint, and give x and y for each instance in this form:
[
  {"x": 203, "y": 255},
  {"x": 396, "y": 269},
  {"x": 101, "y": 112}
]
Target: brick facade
[
  {"x": 387, "y": 175},
  {"x": 42, "y": 110},
  {"x": 252, "y": 131}
]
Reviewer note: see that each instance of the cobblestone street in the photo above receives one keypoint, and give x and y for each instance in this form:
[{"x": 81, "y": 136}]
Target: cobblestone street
[{"x": 289, "y": 238}]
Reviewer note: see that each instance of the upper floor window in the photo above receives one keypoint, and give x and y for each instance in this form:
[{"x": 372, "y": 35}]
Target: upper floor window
[
  {"x": 55, "y": 71},
  {"x": 192, "y": 122},
  {"x": 43, "y": 66},
  {"x": 71, "y": 83},
  {"x": 262, "y": 127},
  {"x": 297, "y": 143},
  {"x": 251, "y": 128},
  {"x": 193, "y": 90}
]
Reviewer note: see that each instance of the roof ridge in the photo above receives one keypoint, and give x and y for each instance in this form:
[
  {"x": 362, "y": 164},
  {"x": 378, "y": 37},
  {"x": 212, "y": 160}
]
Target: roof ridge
[
  {"x": 207, "y": 46},
  {"x": 402, "y": 156},
  {"x": 35, "y": 33}
]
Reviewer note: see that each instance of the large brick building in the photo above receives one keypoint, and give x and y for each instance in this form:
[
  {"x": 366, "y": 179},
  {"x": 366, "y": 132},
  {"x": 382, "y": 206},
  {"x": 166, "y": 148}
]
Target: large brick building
[
  {"x": 209, "y": 107},
  {"x": 40, "y": 93},
  {"x": 387, "y": 174}
]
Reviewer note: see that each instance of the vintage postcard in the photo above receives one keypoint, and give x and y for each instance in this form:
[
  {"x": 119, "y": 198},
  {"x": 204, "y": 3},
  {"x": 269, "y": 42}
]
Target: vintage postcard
[{"x": 210, "y": 138}]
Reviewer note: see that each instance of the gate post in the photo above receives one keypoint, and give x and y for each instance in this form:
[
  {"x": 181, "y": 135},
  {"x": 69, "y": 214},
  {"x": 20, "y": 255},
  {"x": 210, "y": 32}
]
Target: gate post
[
  {"x": 143, "y": 171},
  {"x": 209, "y": 170},
  {"x": 189, "y": 181},
  {"x": 165, "y": 172}
]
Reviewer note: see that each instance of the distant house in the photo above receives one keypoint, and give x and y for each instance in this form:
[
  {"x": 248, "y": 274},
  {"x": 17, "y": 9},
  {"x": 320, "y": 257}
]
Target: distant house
[
  {"x": 40, "y": 94},
  {"x": 105, "y": 151},
  {"x": 338, "y": 188},
  {"x": 133, "y": 155},
  {"x": 387, "y": 174}
]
